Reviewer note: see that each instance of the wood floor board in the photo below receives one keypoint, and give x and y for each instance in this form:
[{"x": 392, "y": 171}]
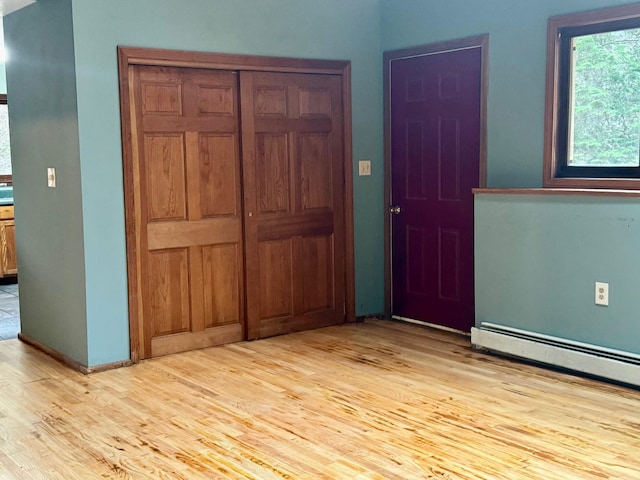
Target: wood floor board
[{"x": 376, "y": 400}]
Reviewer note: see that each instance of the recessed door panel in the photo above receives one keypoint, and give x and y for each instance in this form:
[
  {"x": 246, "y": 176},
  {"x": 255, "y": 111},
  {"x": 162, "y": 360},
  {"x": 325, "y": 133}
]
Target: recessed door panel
[
  {"x": 276, "y": 269},
  {"x": 449, "y": 175},
  {"x": 272, "y": 171},
  {"x": 270, "y": 101},
  {"x": 221, "y": 288},
  {"x": 415, "y": 174},
  {"x": 317, "y": 279},
  {"x": 315, "y": 171},
  {"x": 162, "y": 98},
  {"x": 165, "y": 169},
  {"x": 415, "y": 266},
  {"x": 169, "y": 307},
  {"x": 218, "y": 171},
  {"x": 216, "y": 100},
  {"x": 449, "y": 264},
  {"x": 315, "y": 102}
]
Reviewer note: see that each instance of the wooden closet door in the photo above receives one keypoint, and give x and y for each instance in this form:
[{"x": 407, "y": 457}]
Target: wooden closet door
[
  {"x": 188, "y": 208},
  {"x": 292, "y": 145}
]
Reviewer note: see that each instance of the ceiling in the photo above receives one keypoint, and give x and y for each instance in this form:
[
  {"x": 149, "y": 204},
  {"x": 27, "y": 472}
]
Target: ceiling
[{"x": 8, "y": 6}]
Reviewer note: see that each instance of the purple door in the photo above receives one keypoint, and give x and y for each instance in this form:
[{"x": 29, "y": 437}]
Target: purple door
[{"x": 435, "y": 162}]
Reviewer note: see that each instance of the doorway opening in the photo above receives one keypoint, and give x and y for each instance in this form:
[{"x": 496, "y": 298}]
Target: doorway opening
[
  {"x": 9, "y": 300},
  {"x": 435, "y": 155}
]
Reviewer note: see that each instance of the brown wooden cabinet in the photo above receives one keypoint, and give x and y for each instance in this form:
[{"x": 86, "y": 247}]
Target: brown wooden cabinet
[{"x": 8, "y": 257}]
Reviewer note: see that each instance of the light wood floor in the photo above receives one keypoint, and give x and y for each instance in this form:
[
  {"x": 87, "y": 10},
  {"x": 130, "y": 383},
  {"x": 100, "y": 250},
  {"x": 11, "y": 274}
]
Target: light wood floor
[{"x": 366, "y": 401}]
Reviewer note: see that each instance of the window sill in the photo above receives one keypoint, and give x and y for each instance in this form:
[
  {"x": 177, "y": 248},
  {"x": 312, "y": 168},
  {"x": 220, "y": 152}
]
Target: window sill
[
  {"x": 593, "y": 183},
  {"x": 558, "y": 191}
]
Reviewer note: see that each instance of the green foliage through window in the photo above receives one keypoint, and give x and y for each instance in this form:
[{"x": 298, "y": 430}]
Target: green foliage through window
[{"x": 605, "y": 102}]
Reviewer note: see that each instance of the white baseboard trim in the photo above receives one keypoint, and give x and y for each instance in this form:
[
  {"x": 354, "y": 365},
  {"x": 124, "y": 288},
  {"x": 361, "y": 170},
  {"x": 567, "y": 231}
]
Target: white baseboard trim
[{"x": 589, "y": 359}]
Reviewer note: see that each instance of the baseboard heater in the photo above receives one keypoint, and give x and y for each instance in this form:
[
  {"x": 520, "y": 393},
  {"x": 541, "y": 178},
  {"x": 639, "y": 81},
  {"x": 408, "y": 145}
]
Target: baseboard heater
[{"x": 581, "y": 357}]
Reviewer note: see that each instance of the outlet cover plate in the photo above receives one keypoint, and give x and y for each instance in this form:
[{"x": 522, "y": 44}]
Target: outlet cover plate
[{"x": 602, "y": 294}]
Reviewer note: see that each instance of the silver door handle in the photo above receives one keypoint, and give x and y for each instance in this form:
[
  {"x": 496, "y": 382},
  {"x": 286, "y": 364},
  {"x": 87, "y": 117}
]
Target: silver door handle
[{"x": 395, "y": 209}]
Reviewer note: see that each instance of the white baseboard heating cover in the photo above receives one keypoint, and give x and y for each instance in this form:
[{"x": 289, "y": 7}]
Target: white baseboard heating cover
[{"x": 580, "y": 357}]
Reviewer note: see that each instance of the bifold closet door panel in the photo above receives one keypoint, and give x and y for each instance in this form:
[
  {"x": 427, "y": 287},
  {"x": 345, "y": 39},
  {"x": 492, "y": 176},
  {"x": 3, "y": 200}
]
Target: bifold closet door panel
[
  {"x": 292, "y": 145},
  {"x": 189, "y": 208}
]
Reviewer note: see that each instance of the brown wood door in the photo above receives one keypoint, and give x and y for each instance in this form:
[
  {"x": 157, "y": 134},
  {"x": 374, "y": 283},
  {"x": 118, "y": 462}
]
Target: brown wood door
[
  {"x": 435, "y": 163},
  {"x": 293, "y": 164},
  {"x": 186, "y": 177}
]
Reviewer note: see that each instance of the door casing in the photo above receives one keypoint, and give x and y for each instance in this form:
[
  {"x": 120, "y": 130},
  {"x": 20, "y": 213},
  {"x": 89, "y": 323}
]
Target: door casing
[
  {"x": 481, "y": 41},
  {"x": 128, "y": 56}
]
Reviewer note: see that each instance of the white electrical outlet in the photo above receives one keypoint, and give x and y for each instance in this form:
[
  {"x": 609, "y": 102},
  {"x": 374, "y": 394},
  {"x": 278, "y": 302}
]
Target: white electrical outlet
[
  {"x": 364, "y": 168},
  {"x": 602, "y": 294}
]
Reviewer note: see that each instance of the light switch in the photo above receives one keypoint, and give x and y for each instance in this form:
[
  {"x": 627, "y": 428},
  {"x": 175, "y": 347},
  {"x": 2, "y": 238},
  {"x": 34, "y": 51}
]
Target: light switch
[
  {"x": 364, "y": 168},
  {"x": 51, "y": 177}
]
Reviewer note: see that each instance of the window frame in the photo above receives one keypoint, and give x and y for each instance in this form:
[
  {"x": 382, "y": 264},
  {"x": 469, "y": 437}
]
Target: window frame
[
  {"x": 556, "y": 173},
  {"x": 7, "y": 179}
]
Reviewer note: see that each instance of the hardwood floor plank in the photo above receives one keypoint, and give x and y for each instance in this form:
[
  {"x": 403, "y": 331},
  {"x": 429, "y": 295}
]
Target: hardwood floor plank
[{"x": 379, "y": 400}]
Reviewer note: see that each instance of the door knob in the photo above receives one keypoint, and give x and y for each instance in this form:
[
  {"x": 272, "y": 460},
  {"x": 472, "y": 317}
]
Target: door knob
[{"x": 395, "y": 209}]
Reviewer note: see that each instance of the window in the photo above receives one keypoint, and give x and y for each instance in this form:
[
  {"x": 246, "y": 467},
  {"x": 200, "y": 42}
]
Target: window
[
  {"x": 5, "y": 150},
  {"x": 592, "y": 121}
]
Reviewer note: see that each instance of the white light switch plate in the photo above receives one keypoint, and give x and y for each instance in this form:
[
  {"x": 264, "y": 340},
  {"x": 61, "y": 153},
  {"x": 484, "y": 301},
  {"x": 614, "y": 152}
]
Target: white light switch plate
[
  {"x": 51, "y": 177},
  {"x": 364, "y": 168}
]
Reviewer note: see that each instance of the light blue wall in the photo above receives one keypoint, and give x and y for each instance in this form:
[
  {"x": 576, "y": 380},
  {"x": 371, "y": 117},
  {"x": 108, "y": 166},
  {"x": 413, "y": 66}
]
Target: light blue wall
[
  {"x": 44, "y": 133},
  {"x": 538, "y": 258},
  {"x": 517, "y": 30},
  {"x": 329, "y": 29},
  {"x": 356, "y": 30}
]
